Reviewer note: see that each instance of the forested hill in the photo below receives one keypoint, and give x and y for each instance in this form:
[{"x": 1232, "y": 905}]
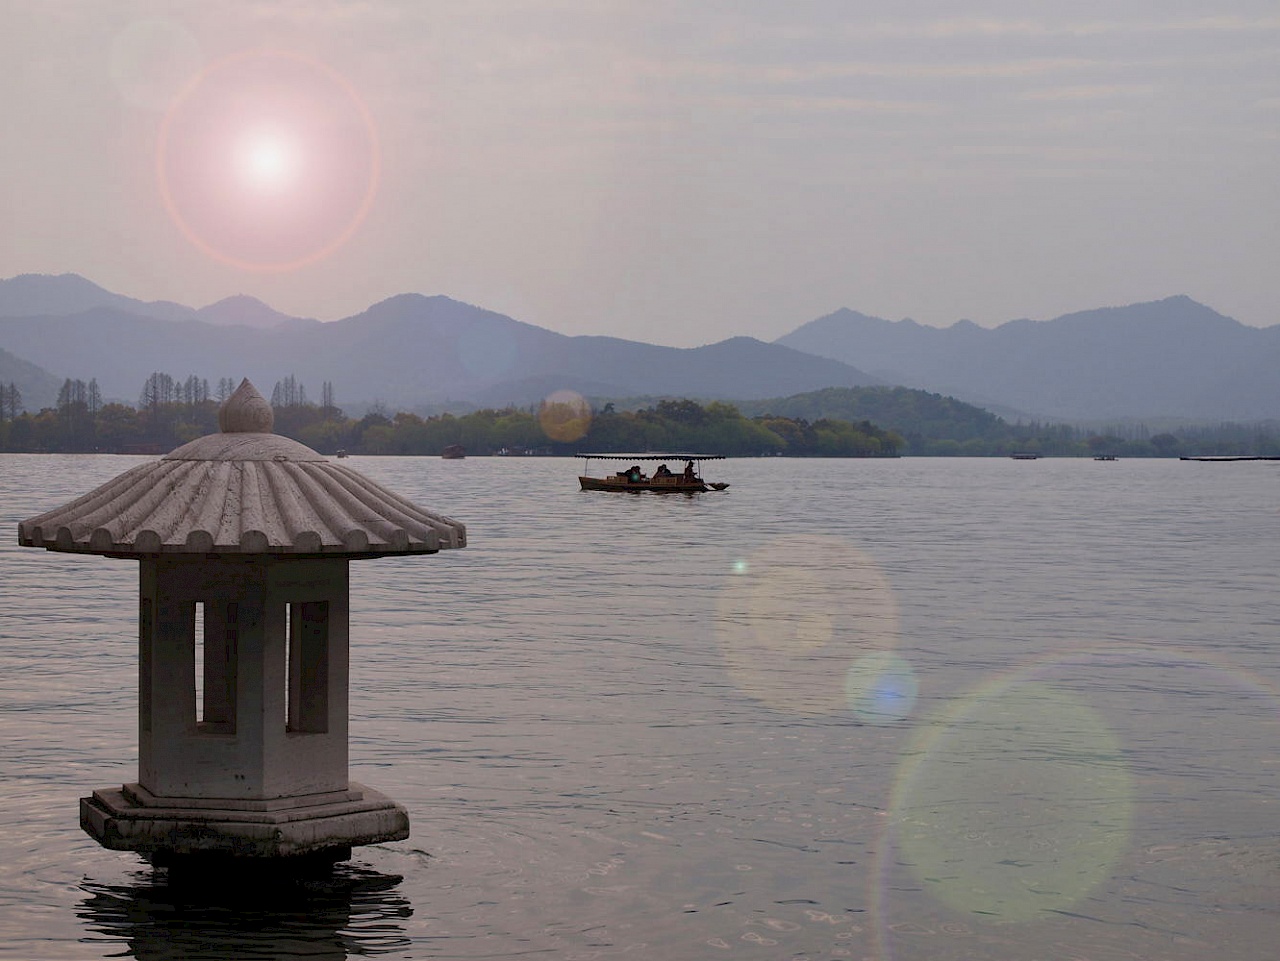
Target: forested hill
[
  {"x": 915, "y": 414},
  {"x": 935, "y": 425}
]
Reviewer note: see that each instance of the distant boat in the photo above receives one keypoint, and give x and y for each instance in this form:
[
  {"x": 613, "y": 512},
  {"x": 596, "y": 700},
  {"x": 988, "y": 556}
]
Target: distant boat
[
  {"x": 635, "y": 481},
  {"x": 1105, "y": 457},
  {"x": 1228, "y": 458},
  {"x": 1024, "y": 456},
  {"x": 454, "y": 452},
  {"x": 342, "y": 453}
]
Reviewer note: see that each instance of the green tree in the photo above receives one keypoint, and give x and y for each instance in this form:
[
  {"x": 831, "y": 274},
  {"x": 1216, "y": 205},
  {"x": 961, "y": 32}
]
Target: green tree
[{"x": 117, "y": 427}]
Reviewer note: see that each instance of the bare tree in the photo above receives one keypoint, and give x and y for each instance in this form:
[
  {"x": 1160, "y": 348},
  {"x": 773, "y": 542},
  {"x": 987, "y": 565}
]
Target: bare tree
[
  {"x": 10, "y": 401},
  {"x": 157, "y": 391},
  {"x": 194, "y": 390},
  {"x": 289, "y": 393},
  {"x": 73, "y": 393}
]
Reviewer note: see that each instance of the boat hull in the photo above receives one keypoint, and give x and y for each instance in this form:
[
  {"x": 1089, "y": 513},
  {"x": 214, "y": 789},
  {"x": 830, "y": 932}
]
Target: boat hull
[{"x": 654, "y": 485}]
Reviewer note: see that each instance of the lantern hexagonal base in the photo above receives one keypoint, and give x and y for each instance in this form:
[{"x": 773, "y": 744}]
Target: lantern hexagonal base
[{"x": 131, "y": 819}]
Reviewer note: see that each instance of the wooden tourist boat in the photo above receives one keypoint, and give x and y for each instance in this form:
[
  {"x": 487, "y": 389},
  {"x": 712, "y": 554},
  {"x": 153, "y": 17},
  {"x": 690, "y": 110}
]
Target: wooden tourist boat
[{"x": 634, "y": 480}]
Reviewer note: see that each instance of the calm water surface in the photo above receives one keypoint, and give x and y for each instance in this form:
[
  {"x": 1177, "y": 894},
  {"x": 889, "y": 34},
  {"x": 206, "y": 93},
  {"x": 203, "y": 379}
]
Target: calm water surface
[{"x": 909, "y": 709}]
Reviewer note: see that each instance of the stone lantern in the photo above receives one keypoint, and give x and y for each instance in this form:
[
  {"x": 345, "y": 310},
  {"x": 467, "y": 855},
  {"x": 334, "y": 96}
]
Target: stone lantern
[{"x": 244, "y": 539}]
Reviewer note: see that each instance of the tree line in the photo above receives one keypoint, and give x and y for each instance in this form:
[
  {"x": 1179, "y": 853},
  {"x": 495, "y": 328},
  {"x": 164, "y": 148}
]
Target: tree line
[{"x": 171, "y": 411}]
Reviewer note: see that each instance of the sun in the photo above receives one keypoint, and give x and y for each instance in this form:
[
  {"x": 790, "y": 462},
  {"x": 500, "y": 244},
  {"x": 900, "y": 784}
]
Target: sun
[{"x": 267, "y": 161}]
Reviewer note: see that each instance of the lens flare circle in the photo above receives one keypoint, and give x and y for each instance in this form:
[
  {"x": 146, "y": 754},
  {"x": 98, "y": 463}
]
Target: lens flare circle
[
  {"x": 565, "y": 416},
  {"x": 939, "y": 757},
  {"x": 268, "y": 161},
  {"x": 881, "y": 688},
  {"x": 1017, "y": 803},
  {"x": 795, "y": 616}
]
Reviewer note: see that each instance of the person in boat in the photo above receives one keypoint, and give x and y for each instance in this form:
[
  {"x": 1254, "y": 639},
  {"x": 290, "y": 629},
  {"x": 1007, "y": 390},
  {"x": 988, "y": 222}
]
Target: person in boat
[
  {"x": 634, "y": 474},
  {"x": 689, "y": 475},
  {"x": 662, "y": 471}
]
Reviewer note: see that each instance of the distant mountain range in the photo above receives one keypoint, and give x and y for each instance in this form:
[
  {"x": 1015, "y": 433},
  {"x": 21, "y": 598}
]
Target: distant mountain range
[
  {"x": 1169, "y": 359},
  {"x": 40, "y": 295},
  {"x": 408, "y": 351}
]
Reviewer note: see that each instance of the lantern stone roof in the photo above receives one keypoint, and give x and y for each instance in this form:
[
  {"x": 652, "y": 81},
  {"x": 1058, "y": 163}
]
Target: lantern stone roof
[{"x": 242, "y": 491}]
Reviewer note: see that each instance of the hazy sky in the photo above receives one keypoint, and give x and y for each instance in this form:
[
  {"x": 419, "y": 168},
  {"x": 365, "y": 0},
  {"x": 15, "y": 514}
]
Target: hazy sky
[{"x": 673, "y": 171}]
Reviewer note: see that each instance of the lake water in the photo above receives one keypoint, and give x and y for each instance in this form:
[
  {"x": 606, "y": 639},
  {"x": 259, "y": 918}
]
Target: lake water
[{"x": 900, "y": 709}]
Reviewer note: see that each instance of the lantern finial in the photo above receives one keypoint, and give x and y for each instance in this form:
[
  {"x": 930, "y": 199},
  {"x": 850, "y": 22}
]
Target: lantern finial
[{"x": 246, "y": 412}]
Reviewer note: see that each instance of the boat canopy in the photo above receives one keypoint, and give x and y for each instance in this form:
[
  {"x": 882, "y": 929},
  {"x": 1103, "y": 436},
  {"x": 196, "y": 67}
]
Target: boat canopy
[{"x": 677, "y": 455}]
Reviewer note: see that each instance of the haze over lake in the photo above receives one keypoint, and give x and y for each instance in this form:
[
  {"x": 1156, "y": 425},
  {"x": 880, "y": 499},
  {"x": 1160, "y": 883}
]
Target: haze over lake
[{"x": 894, "y": 709}]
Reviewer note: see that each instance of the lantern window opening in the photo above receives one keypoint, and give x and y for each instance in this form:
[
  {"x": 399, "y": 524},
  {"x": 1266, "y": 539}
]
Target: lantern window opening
[
  {"x": 307, "y": 667},
  {"x": 146, "y": 648},
  {"x": 215, "y": 632}
]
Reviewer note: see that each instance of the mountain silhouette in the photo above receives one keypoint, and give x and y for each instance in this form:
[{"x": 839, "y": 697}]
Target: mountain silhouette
[
  {"x": 1165, "y": 359},
  {"x": 1171, "y": 358},
  {"x": 409, "y": 350}
]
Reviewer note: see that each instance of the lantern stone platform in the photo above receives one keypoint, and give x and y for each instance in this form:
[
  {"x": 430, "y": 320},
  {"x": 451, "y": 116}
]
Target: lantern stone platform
[{"x": 244, "y": 540}]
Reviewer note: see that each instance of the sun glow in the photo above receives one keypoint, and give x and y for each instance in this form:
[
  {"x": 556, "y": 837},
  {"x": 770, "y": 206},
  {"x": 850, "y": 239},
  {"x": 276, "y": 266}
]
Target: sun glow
[{"x": 267, "y": 161}]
